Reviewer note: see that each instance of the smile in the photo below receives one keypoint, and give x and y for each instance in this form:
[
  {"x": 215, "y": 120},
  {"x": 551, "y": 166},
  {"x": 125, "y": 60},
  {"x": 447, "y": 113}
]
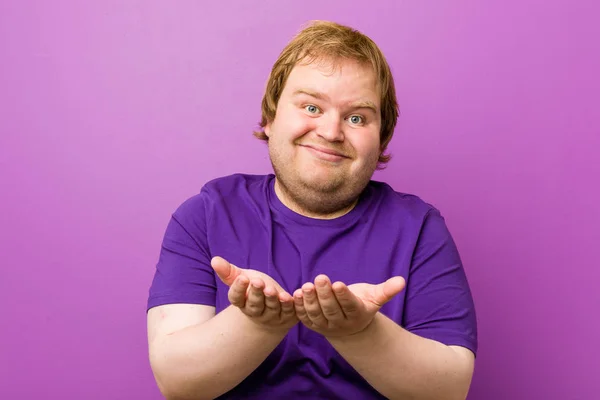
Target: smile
[{"x": 324, "y": 153}]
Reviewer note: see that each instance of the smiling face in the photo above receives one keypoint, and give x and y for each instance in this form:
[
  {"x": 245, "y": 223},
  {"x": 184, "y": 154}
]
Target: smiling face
[{"x": 324, "y": 141}]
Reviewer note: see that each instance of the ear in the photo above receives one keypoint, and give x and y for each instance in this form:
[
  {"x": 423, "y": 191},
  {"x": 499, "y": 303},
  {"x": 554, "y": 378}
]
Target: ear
[{"x": 268, "y": 130}]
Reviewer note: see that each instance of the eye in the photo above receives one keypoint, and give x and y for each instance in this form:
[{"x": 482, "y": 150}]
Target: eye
[
  {"x": 311, "y": 109},
  {"x": 356, "y": 119}
]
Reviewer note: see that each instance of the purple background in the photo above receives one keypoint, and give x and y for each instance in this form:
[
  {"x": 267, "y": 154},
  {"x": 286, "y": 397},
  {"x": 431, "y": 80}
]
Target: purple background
[{"x": 112, "y": 113}]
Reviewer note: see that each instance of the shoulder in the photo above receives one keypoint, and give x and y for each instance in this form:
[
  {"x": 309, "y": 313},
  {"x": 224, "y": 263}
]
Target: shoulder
[
  {"x": 235, "y": 184},
  {"x": 228, "y": 191},
  {"x": 417, "y": 220},
  {"x": 400, "y": 204}
]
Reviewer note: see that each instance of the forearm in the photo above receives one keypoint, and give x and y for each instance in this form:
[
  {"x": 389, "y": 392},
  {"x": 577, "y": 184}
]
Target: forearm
[
  {"x": 207, "y": 360},
  {"x": 400, "y": 364}
]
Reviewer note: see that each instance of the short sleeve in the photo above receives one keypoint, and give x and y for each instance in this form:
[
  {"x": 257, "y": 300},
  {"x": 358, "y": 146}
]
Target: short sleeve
[
  {"x": 439, "y": 304},
  {"x": 183, "y": 272}
]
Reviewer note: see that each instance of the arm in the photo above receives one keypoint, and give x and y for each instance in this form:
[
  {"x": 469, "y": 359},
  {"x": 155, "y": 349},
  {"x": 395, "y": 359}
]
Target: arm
[
  {"x": 409, "y": 361},
  {"x": 438, "y": 307},
  {"x": 400, "y": 364},
  {"x": 196, "y": 356}
]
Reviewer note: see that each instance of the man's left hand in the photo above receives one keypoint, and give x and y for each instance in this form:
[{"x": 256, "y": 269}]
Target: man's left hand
[{"x": 336, "y": 310}]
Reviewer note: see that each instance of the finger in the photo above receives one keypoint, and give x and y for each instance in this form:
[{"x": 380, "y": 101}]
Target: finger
[
  {"x": 237, "y": 291},
  {"x": 272, "y": 305},
  {"x": 350, "y": 304},
  {"x": 312, "y": 306},
  {"x": 255, "y": 303},
  {"x": 385, "y": 291},
  {"x": 226, "y": 271},
  {"x": 287, "y": 304},
  {"x": 299, "y": 308},
  {"x": 329, "y": 304}
]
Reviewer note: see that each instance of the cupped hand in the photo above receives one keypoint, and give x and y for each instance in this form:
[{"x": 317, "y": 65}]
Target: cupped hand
[
  {"x": 337, "y": 310},
  {"x": 257, "y": 295}
]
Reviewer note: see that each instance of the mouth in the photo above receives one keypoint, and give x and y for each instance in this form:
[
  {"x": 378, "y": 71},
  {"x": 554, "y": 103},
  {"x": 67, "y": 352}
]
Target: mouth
[{"x": 325, "y": 153}]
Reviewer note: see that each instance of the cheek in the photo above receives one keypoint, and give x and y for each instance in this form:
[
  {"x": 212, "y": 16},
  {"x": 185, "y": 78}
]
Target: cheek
[
  {"x": 292, "y": 124},
  {"x": 366, "y": 145},
  {"x": 300, "y": 126}
]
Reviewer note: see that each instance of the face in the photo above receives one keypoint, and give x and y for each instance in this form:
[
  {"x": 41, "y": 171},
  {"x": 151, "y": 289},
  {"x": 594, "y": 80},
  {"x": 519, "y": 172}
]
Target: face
[{"x": 324, "y": 141}]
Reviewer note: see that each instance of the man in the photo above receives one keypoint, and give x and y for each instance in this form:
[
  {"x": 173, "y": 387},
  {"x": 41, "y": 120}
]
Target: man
[{"x": 314, "y": 282}]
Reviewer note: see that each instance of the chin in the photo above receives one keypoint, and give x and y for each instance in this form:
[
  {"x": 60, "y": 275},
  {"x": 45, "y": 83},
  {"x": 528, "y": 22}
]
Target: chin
[{"x": 323, "y": 182}]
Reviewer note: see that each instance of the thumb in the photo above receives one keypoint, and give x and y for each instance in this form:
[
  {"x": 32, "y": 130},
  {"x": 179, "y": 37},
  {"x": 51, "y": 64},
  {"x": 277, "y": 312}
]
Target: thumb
[
  {"x": 226, "y": 271},
  {"x": 385, "y": 291}
]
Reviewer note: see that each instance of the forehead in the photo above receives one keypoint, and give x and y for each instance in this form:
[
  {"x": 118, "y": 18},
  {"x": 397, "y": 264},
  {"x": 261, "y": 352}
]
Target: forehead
[{"x": 344, "y": 78}]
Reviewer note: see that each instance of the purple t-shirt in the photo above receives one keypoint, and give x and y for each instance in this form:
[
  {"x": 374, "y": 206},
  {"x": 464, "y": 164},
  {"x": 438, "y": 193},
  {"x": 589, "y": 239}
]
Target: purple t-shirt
[{"x": 241, "y": 219}]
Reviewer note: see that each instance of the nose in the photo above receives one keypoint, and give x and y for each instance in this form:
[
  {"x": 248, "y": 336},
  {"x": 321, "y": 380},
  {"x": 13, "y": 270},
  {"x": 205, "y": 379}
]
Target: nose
[{"x": 330, "y": 128}]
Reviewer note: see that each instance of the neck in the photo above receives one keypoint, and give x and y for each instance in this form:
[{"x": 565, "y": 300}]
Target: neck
[{"x": 288, "y": 201}]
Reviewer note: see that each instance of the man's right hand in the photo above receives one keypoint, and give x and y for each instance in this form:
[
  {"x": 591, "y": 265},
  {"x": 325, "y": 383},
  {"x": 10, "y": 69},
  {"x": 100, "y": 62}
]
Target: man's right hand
[{"x": 257, "y": 295}]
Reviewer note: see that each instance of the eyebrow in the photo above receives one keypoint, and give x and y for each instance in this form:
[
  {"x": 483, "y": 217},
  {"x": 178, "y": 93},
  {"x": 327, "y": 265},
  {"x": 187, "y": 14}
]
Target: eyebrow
[{"x": 357, "y": 104}]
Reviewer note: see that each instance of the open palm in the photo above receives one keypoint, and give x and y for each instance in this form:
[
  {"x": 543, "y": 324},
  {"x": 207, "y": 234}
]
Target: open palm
[{"x": 340, "y": 310}]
